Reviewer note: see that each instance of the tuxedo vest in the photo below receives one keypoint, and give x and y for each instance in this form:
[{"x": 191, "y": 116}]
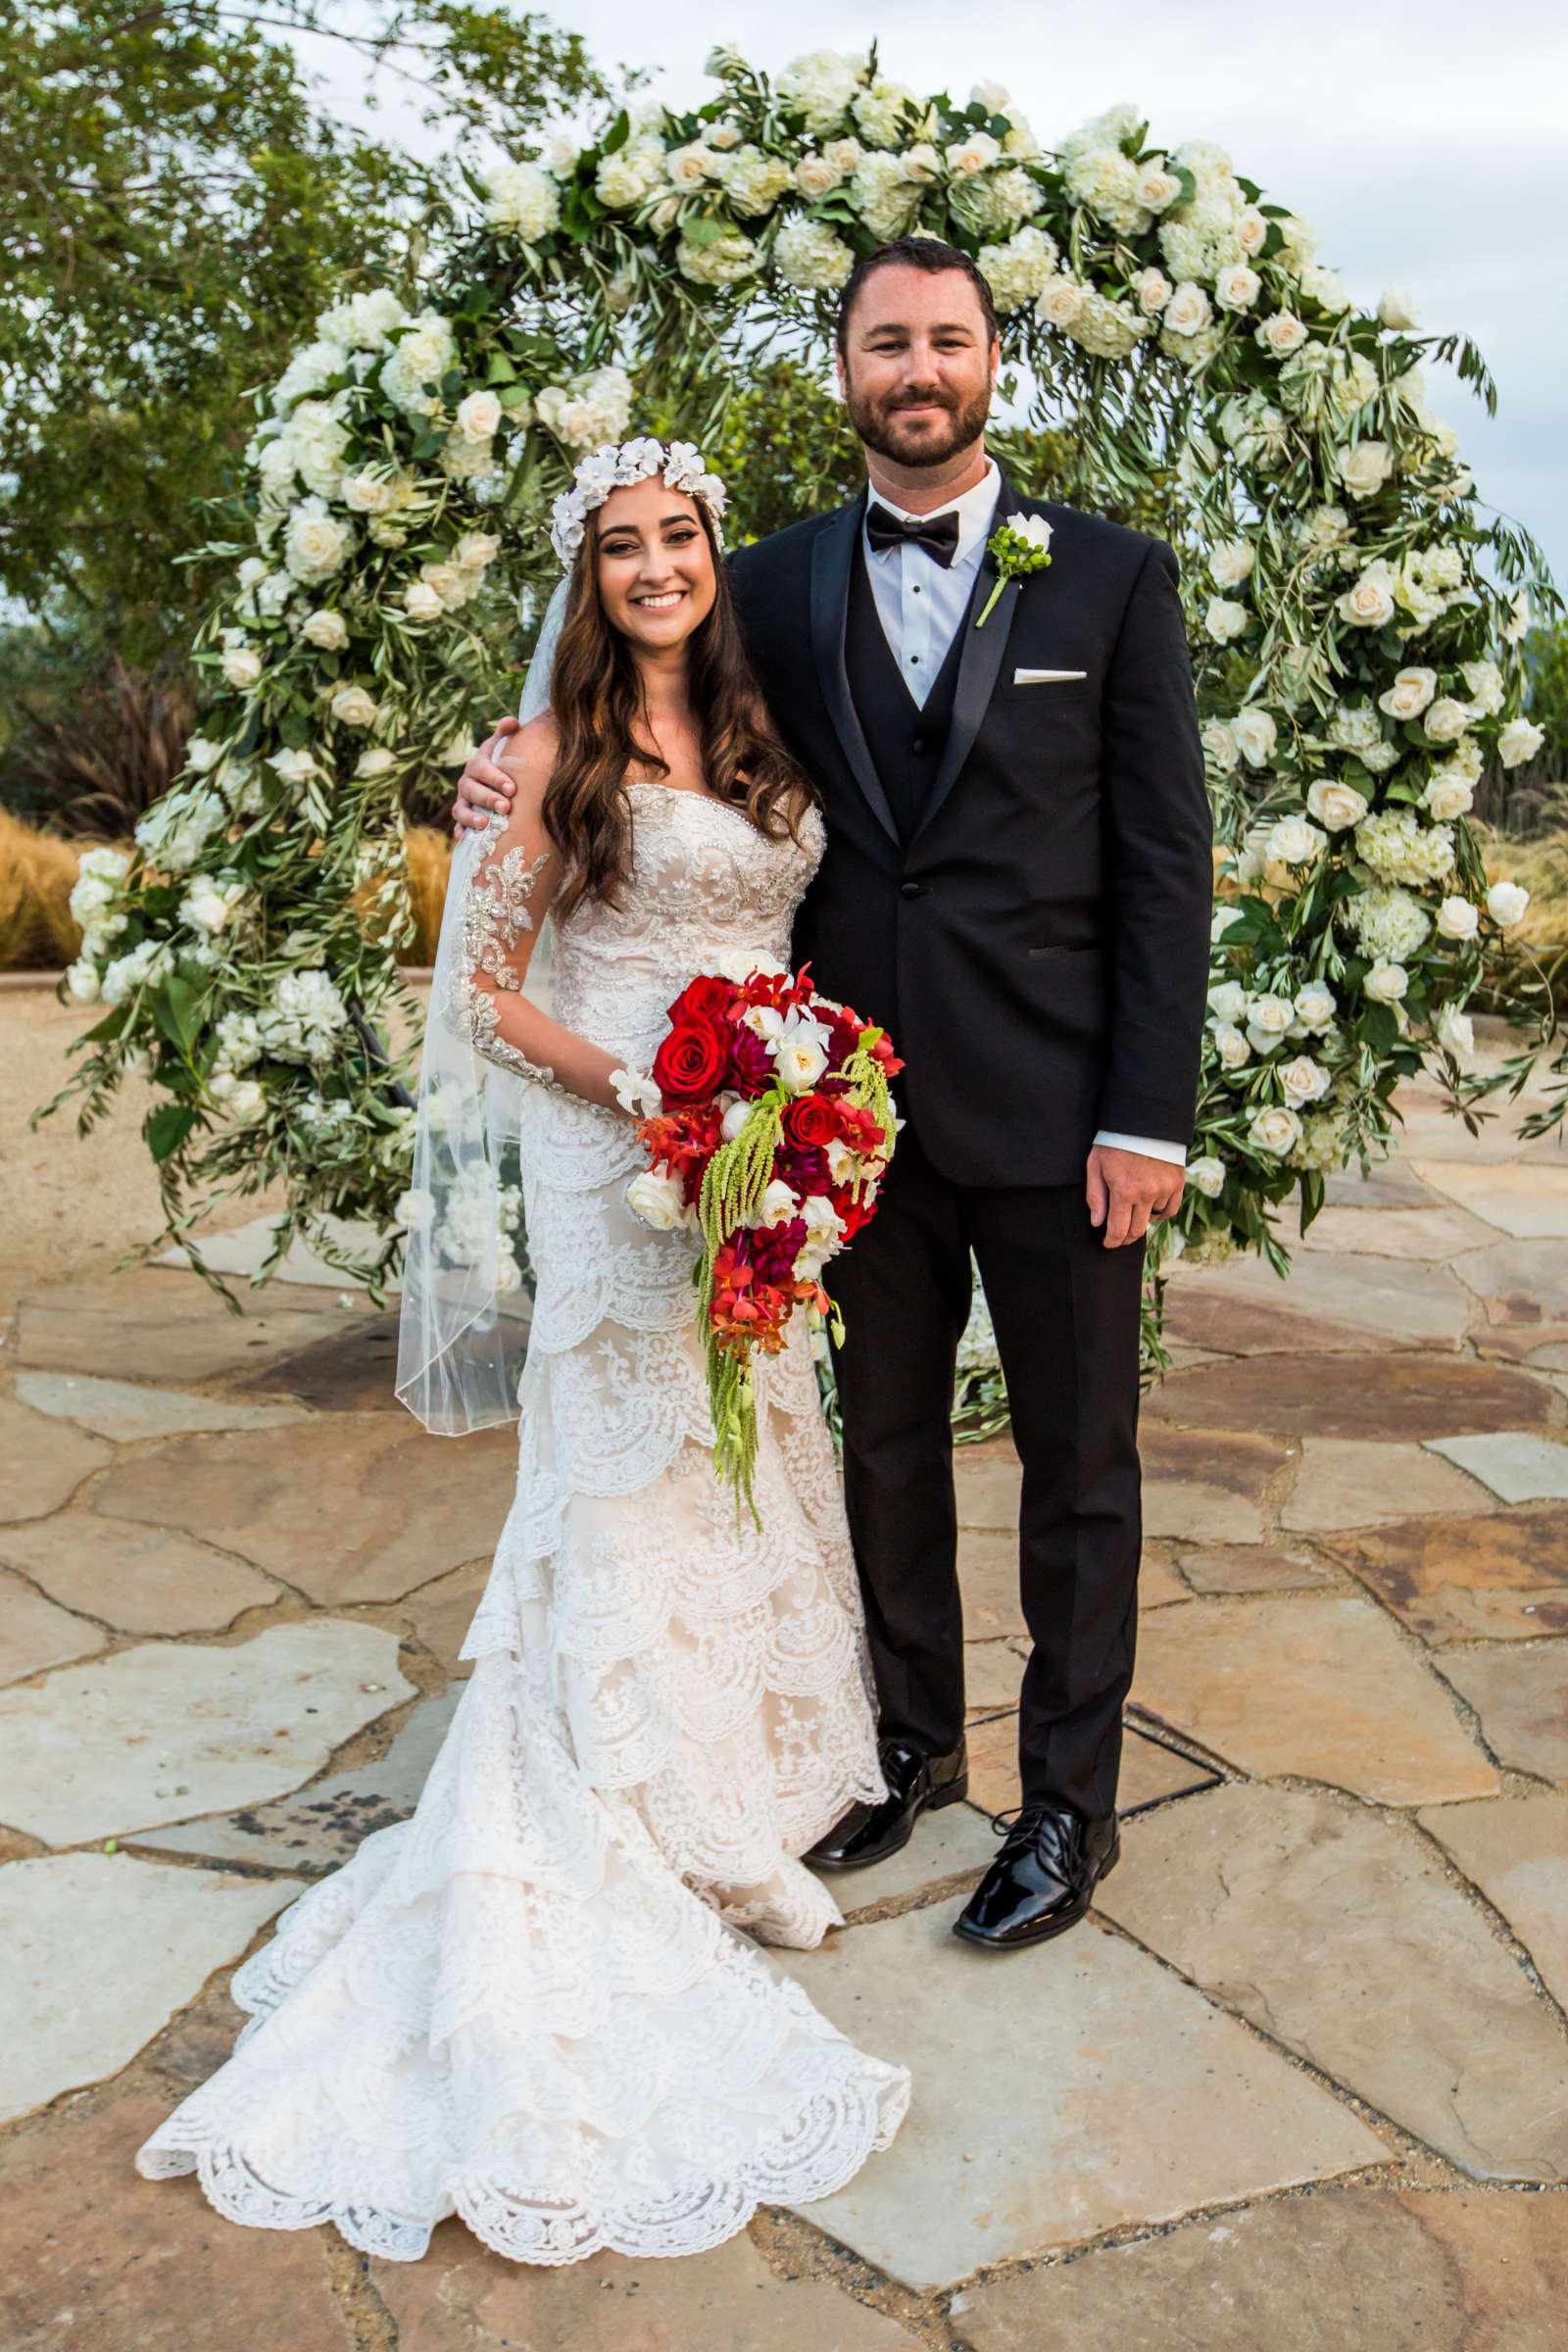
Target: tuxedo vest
[{"x": 906, "y": 739}]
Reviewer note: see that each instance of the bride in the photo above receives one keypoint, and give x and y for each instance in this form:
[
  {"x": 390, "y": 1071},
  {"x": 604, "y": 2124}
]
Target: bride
[{"x": 538, "y": 2002}]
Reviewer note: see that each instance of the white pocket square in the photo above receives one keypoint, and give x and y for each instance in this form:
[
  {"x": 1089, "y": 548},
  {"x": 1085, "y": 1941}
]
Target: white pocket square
[{"x": 1045, "y": 678}]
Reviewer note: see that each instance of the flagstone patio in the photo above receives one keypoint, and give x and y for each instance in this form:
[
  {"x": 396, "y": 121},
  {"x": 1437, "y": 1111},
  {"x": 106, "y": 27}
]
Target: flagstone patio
[{"x": 1300, "y": 2081}]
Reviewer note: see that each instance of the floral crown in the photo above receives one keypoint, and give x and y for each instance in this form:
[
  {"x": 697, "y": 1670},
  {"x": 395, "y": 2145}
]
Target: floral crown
[{"x": 618, "y": 465}]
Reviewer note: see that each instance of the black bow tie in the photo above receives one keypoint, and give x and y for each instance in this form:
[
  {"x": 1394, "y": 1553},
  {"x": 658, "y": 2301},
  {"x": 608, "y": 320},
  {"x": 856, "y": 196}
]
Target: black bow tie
[{"x": 938, "y": 534}]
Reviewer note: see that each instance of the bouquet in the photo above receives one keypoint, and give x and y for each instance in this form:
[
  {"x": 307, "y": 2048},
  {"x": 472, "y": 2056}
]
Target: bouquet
[{"x": 774, "y": 1134}]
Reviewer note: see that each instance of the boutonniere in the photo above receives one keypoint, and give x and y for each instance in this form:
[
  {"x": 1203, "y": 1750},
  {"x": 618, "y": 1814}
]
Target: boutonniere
[{"x": 1017, "y": 547}]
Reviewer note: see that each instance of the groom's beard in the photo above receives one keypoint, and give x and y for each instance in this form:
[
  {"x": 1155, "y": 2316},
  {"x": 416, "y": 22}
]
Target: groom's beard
[{"x": 878, "y": 422}]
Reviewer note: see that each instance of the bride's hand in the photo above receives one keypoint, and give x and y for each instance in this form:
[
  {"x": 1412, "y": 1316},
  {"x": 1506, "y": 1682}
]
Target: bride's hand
[{"x": 482, "y": 786}]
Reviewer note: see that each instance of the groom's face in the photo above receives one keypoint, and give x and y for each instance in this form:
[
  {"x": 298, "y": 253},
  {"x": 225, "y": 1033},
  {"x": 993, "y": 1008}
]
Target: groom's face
[{"x": 918, "y": 366}]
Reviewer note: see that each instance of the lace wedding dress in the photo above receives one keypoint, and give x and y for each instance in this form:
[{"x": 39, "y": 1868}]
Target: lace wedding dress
[{"x": 536, "y": 2002}]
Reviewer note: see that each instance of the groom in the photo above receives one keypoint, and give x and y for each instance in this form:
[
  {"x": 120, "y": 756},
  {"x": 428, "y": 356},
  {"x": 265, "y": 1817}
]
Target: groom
[{"x": 1017, "y": 885}]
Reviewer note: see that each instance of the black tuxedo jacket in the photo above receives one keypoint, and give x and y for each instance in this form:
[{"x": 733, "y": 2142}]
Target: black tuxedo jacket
[{"x": 1039, "y": 946}]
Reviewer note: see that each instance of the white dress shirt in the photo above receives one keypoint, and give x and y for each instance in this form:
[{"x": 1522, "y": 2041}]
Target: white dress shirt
[{"x": 921, "y": 605}]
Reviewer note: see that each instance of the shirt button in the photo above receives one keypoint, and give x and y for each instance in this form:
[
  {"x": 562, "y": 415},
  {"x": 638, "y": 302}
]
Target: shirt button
[
  {"x": 915, "y": 588},
  {"x": 916, "y": 660}
]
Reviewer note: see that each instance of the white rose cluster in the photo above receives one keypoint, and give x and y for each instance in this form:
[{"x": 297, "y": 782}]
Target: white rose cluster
[
  {"x": 590, "y": 410},
  {"x": 521, "y": 200},
  {"x": 304, "y": 1019}
]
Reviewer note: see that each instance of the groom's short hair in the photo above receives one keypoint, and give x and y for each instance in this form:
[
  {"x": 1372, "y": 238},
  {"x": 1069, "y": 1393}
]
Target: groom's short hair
[{"x": 930, "y": 254}]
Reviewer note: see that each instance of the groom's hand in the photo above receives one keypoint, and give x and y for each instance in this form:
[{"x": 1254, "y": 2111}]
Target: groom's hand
[
  {"x": 1127, "y": 1190},
  {"x": 482, "y": 786}
]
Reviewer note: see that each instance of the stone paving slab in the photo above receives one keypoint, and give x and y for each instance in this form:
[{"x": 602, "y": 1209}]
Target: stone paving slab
[
  {"x": 439, "y": 1614},
  {"x": 464, "y": 2299},
  {"x": 350, "y": 1508},
  {"x": 1317, "y": 1686},
  {"x": 354, "y": 1372},
  {"x": 319, "y": 1828},
  {"x": 171, "y": 1729},
  {"x": 1348, "y": 1482},
  {"x": 179, "y": 1329},
  {"x": 1499, "y": 1577},
  {"x": 987, "y": 1480},
  {"x": 124, "y": 1412},
  {"x": 1519, "y": 1284},
  {"x": 1339, "y": 1935},
  {"x": 1390, "y": 1186},
  {"x": 245, "y": 1249},
  {"x": 1431, "y": 1232},
  {"x": 95, "y": 2259},
  {"x": 1206, "y": 1486},
  {"x": 991, "y": 1674},
  {"x": 1519, "y": 1196},
  {"x": 1514, "y": 1463},
  {"x": 141, "y": 1580},
  {"x": 1385, "y": 1397},
  {"x": 988, "y": 1580},
  {"x": 34, "y": 1633},
  {"x": 1521, "y": 1696},
  {"x": 1403, "y": 1304},
  {"x": 42, "y": 1462},
  {"x": 959, "y": 1842},
  {"x": 1250, "y": 1568},
  {"x": 97, "y": 1951},
  {"x": 1058, "y": 2093},
  {"x": 1344, "y": 2269},
  {"x": 1515, "y": 1849}
]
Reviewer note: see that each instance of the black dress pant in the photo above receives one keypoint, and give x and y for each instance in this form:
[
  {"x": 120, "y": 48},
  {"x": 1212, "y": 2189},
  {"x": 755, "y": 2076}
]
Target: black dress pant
[{"x": 1066, "y": 1311}]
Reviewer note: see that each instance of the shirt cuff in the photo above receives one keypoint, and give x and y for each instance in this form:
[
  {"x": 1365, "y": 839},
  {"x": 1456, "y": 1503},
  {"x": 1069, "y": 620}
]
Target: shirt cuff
[{"x": 1149, "y": 1146}]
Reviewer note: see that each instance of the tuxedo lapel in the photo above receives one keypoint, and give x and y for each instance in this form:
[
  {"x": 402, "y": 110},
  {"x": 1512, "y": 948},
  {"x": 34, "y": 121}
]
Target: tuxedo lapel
[
  {"x": 835, "y": 550},
  {"x": 980, "y": 661}
]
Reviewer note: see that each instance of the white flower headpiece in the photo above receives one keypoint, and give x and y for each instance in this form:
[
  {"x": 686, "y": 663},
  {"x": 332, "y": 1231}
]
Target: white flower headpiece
[{"x": 618, "y": 465}]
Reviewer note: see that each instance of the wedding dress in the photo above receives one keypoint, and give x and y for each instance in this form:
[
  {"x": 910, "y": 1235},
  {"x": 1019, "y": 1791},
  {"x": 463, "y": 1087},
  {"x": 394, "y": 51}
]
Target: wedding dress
[{"x": 537, "y": 2003}]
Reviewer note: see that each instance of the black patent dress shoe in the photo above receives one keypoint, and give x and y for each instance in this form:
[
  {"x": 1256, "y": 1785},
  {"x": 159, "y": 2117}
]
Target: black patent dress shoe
[
  {"x": 916, "y": 1783},
  {"x": 1044, "y": 1879}
]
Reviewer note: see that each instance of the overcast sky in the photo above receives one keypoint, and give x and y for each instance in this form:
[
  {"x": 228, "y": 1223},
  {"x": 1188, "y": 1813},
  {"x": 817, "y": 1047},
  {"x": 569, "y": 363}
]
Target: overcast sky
[{"x": 1427, "y": 147}]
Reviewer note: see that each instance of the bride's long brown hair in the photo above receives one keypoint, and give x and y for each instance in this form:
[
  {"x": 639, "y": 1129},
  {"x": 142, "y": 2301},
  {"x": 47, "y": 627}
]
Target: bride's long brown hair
[{"x": 596, "y": 697}]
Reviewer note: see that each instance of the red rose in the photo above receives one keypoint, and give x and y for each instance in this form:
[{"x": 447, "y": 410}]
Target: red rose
[
  {"x": 705, "y": 997},
  {"x": 691, "y": 1062},
  {"x": 811, "y": 1119}
]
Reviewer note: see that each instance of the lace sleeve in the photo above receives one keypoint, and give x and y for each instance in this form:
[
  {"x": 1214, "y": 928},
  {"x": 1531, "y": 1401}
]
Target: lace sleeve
[{"x": 508, "y": 896}]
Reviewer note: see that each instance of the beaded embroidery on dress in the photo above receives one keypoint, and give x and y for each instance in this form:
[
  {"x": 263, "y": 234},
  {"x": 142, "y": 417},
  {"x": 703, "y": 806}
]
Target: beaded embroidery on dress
[{"x": 536, "y": 2002}]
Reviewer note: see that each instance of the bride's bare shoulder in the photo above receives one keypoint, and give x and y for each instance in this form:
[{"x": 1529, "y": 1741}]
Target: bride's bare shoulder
[{"x": 531, "y": 751}]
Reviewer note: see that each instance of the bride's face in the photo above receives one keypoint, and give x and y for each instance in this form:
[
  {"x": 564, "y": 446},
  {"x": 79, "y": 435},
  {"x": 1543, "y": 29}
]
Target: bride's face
[{"x": 656, "y": 567}]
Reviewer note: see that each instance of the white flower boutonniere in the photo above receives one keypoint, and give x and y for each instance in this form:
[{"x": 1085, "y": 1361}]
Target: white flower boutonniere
[{"x": 1020, "y": 546}]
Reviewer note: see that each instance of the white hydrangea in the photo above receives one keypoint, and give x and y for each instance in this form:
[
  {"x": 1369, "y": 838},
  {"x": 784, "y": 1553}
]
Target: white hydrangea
[
  {"x": 754, "y": 182},
  {"x": 210, "y": 902},
  {"x": 1109, "y": 329},
  {"x": 1389, "y": 924},
  {"x": 1107, "y": 184},
  {"x": 1400, "y": 848},
  {"x": 304, "y": 1019},
  {"x": 362, "y": 322},
  {"x": 724, "y": 262},
  {"x": 629, "y": 177},
  {"x": 881, "y": 111},
  {"x": 177, "y": 828},
  {"x": 240, "y": 1043},
  {"x": 883, "y": 194},
  {"x": 1357, "y": 728},
  {"x": 1018, "y": 270},
  {"x": 809, "y": 255},
  {"x": 592, "y": 408},
  {"x": 411, "y": 377},
  {"x": 143, "y": 967},
  {"x": 311, "y": 369},
  {"x": 820, "y": 86},
  {"x": 998, "y": 201},
  {"x": 522, "y": 199}
]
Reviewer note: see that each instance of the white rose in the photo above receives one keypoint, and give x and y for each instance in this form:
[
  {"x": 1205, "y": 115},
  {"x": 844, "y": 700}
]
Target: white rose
[
  {"x": 1060, "y": 300},
  {"x": 1225, "y": 619},
  {"x": 1336, "y": 805},
  {"x": 1152, "y": 289},
  {"x": 352, "y": 706},
  {"x": 1187, "y": 312},
  {"x": 421, "y": 602},
  {"x": 1458, "y": 919},
  {"x": 1456, "y": 1032},
  {"x": 1506, "y": 902},
  {"x": 658, "y": 1200},
  {"x": 242, "y": 1099},
  {"x": 1270, "y": 1014},
  {"x": 241, "y": 667},
  {"x": 1447, "y": 797},
  {"x": 1370, "y": 605},
  {"x": 1294, "y": 841},
  {"x": 1274, "y": 1132},
  {"x": 798, "y": 1064},
  {"x": 370, "y": 764},
  {"x": 1304, "y": 1081},
  {"x": 1230, "y": 562},
  {"x": 1484, "y": 684},
  {"x": 1412, "y": 690},
  {"x": 817, "y": 175},
  {"x": 293, "y": 766},
  {"x": 1281, "y": 333},
  {"x": 1314, "y": 1005},
  {"x": 1237, "y": 288},
  {"x": 82, "y": 983},
  {"x": 478, "y": 417},
  {"x": 1206, "y": 1176},
  {"x": 1227, "y": 1002},
  {"x": 1364, "y": 468},
  {"x": 1518, "y": 741},
  {"x": 1447, "y": 720},
  {"x": 325, "y": 629},
  {"x": 1386, "y": 983},
  {"x": 1256, "y": 736},
  {"x": 778, "y": 1206},
  {"x": 1396, "y": 309},
  {"x": 977, "y": 153},
  {"x": 1219, "y": 745},
  {"x": 1231, "y": 1045},
  {"x": 1220, "y": 921}
]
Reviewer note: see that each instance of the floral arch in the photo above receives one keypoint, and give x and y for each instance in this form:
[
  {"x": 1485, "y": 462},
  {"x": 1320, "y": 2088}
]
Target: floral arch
[{"x": 1355, "y": 621}]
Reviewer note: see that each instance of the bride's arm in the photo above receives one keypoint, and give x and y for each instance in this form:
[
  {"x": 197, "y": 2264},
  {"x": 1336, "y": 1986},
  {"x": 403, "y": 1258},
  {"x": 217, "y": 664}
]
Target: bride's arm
[{"x": 508, "y": 895}]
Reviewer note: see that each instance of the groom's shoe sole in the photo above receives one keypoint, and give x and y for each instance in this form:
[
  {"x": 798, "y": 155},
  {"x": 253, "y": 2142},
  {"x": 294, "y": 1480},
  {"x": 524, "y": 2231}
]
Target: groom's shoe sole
[
  {"x": 949, "y": 1796},
  {"x": 1057, "y": 1926}
]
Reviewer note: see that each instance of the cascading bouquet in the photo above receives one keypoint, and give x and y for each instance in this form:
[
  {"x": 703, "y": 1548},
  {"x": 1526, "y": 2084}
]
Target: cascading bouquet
[{"x": 773, "y": 1136}]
